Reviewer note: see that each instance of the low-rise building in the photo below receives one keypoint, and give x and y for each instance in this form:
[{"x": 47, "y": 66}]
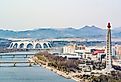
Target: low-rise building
[
  {"x": 118, "y": 50},
  {"x": 69, "y": 49},
  {"x": 93, "y": 53}
]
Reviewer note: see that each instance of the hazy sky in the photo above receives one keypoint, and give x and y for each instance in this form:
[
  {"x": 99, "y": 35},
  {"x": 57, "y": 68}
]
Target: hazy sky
[{"x": 30, "y": 14}]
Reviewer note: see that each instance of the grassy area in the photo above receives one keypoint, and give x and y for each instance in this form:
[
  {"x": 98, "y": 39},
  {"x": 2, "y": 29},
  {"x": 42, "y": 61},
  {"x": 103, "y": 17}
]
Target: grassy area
[
  {"x": 57, "y": 62},
  {"x": 41, "y": 57}
]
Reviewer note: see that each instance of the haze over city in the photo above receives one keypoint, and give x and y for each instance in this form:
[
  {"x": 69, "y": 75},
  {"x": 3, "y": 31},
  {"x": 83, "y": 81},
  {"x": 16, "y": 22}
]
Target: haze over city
[
  {"x": 60, "y": 40},
  {"x": 33, "y": 14}
]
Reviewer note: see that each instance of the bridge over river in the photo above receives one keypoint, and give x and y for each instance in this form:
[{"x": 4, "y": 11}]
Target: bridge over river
[
  {"x": 19, "y": 69},
  {"x": 17, "y": 62},
  {"x": 18, "y": 54},
  {"x": 16, "y": 58}
]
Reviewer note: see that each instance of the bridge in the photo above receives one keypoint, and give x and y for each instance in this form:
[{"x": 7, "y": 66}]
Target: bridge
[
  {"x": 23, "y": 48},
  {"x": 15, "y": 55},
  {"x": 17, "y": 62}
]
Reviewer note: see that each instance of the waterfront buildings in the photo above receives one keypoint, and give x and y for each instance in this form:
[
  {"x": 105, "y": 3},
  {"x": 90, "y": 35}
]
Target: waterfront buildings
[
  {"x": 103, "y": 54},
  {"x": 83, "y": 52}
]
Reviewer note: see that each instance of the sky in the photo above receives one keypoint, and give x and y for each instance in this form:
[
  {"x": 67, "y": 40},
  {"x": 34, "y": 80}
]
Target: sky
[{"x": 33, "y": 14}]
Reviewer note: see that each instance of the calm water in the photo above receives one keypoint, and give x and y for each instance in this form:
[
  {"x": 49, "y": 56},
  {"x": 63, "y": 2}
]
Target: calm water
[{"x": 23, "y": 73}]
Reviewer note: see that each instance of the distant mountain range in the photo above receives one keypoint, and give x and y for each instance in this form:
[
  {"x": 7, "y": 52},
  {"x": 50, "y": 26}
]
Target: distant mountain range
[{"x": 85, "y": 32}]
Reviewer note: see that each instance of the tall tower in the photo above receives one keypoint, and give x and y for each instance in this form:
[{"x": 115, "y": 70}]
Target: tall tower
[{"x": 108, "y": 49}]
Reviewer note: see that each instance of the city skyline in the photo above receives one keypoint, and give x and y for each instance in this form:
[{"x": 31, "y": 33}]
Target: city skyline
[{"x": 33, "y": 14}]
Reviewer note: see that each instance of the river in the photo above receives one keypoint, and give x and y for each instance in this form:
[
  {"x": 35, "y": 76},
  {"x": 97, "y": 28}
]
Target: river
[{"x": 24, "y": 73}]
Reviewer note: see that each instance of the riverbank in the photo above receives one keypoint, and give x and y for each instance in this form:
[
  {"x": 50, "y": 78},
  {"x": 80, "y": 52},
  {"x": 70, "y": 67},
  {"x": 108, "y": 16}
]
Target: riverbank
[
  {"x": 73, "y": 76},
  {"x": 70, "y": 70}
]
